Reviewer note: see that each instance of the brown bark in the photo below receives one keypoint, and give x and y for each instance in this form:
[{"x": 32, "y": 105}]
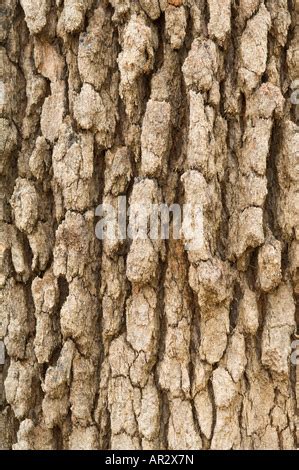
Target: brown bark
[{"x": 144, "y": 345}]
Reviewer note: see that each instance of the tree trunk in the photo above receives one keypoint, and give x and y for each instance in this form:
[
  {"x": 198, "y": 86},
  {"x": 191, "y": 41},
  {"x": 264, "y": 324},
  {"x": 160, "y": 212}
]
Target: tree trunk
[{"x": 145, "y": 344}]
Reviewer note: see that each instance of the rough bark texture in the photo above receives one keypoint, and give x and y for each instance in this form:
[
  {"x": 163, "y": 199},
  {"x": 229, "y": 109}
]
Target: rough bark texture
[{"x": 120, "y": 345}]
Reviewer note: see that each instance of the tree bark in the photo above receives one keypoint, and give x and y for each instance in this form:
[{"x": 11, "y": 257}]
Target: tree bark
[{"x": 143, "y": 344}]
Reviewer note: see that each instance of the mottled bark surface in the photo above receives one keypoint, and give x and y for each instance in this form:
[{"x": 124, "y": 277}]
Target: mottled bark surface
[{"x": 144, "y": 345}]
